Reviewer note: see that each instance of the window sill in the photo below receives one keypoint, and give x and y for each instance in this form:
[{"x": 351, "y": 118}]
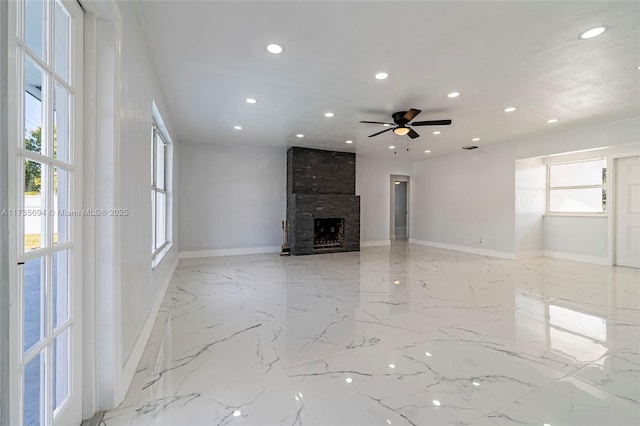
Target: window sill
[
  {"x": 157, "y": 258},
  {"x": 594, "y": 215}
]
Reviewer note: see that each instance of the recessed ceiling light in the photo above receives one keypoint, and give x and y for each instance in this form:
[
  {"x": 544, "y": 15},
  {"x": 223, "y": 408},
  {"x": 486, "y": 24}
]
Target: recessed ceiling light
[
  {"x": 296, "y": 398},
  {"x": 510, "y": 109},
  {"x": 300, "y": 135},
  {"x": 388, "y": 421},
  {"x": 593, "y": 32},
  {"x": 387, "y": 125},
  {"x": 250, "y": 101},
  {"x": 453, "y": 94},
  {"x": 553, "y": 120},
  {"x": 427, "y": 353},
  {"x": 436, "y": 403},
  {"x": 348, "y": 380},
  {"x": 392, "y": 147},
  {"x": 237, "y": 127},
  {"x": 475, "y": 383},
  {"x": 329, "y": 114},
  {"x": 274, "y": 48},
  {"x": 397, "y": 282},
  {"x": 348, "y": 141},
  {"x": 475, "y": 139},
  {"x": 427, "y": 152},
  {"x": 381, "y": 75},
  {"x": 437, "y": 132},
  {"x": 237, "y": 413},
  {"x": 392, "y": 366}
]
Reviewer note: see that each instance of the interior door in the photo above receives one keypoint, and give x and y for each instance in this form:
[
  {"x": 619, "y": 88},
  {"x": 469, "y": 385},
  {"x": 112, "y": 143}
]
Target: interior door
[
  {"x": 628, "y": 211},
  {"x": 401, "y": 210},
  {"x": 46, "y": 339}
]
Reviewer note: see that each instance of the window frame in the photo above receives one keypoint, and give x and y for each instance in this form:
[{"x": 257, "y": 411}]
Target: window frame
[
  {"x": 158, "y": 135},
  {"x": 549, "y": 188}
]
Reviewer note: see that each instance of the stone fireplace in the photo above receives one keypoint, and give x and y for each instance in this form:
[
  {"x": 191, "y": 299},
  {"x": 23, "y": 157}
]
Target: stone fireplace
[{"x": 322, "y": 208}]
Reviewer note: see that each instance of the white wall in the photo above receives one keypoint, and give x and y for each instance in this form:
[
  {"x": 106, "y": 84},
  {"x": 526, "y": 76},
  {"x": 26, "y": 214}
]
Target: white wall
[
  {"x": 531, "y": 191},
  {"x": 232, "y": 197},
  {"x": 373, "y": 185},
  {"x": 584, "y": 236},
  {"x": 242, "y": 196},
  {"x": 464, "y": 196},
  {"x": 461, "y": 198},
  {"x": 141, "y": 286}
]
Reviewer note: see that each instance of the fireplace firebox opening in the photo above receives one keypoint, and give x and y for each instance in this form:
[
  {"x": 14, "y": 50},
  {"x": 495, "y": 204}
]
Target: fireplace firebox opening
[{"x": 328, "y": 233}]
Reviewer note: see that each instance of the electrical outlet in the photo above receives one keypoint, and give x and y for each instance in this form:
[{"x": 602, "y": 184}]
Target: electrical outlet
[{"x": 480, "y": 240}]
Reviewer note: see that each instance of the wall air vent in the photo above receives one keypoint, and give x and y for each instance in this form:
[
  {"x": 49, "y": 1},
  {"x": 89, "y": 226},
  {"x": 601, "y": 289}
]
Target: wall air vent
[{"x": 469, "y": 147}]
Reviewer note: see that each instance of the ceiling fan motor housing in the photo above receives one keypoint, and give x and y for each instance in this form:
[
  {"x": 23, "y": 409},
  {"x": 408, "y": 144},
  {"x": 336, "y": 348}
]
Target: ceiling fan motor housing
[{"x": 398, "y": 117}]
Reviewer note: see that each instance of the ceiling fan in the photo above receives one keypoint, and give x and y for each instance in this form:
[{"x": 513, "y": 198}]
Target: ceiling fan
[{"x": 401, "y": 121}]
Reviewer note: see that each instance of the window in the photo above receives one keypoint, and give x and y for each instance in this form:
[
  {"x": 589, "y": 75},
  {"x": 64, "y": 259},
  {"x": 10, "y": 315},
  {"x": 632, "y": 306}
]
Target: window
[
  {"x": 159, "y": 202},
  {"x": 578, "y": 187}
]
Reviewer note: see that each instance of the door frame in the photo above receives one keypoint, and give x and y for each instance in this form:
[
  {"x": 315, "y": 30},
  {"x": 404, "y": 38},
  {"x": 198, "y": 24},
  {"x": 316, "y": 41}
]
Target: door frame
[
  {"x": 72, "y": 407},
  {"x": 392, "y": 205},
  {"x": 5, "y": 252},
  {"x": 612, "y": 199}
]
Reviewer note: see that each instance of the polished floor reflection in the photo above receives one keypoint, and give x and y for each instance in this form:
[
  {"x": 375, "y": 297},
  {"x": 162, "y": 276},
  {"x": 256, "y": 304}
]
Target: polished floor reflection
[{"x": 401, "y": 335}]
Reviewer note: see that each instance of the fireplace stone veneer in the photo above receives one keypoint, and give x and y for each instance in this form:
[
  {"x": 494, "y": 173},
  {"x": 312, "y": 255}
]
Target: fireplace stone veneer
[{"x": 321, "y": 185}]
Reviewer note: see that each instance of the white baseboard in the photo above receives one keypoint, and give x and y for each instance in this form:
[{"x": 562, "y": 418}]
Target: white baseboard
[
  {"x": 465, "y": 249},
  {"x": 374, "y": 243},
  {"x": 131, "y": 364},
  {"x": 530, "y": 254},
  {"x": 577, "y": 257},
  {"x": 228, "y": 252}
]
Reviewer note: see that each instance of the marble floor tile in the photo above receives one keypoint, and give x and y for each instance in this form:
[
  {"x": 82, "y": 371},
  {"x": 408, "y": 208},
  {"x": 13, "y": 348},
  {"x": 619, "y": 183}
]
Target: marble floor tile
[
  {"x": 569, "y": 401},
  {"x": 400, "y": 335}
]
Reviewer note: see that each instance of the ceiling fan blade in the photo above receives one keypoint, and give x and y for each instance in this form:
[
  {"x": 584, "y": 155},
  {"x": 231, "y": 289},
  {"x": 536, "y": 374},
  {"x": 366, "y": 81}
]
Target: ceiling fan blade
[
  {"x": 377, "y": 122},
  {"x": 432, "y": 123},
  {"x": 413, "y": 134},
  {"x": 385, "y": 130},
  {"x": 411, "y": 114}
]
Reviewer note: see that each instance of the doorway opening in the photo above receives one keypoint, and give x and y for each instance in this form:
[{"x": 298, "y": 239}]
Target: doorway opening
[{"x": 399, "y": 214}]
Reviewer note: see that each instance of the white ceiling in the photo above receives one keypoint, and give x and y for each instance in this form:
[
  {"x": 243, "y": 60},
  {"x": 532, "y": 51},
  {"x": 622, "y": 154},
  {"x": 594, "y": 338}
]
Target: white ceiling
[{"x": 210, "y": 56}]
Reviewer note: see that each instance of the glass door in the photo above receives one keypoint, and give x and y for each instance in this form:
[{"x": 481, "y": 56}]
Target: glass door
[{"x": 47, "y": 305}]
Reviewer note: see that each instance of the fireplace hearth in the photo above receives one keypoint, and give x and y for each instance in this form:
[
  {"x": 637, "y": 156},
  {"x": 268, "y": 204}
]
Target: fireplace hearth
[{"x": 328, "y": 233}]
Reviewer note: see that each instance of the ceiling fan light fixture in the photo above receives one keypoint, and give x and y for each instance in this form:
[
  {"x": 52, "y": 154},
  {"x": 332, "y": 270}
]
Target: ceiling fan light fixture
[{"x": 401, "y": 131}]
